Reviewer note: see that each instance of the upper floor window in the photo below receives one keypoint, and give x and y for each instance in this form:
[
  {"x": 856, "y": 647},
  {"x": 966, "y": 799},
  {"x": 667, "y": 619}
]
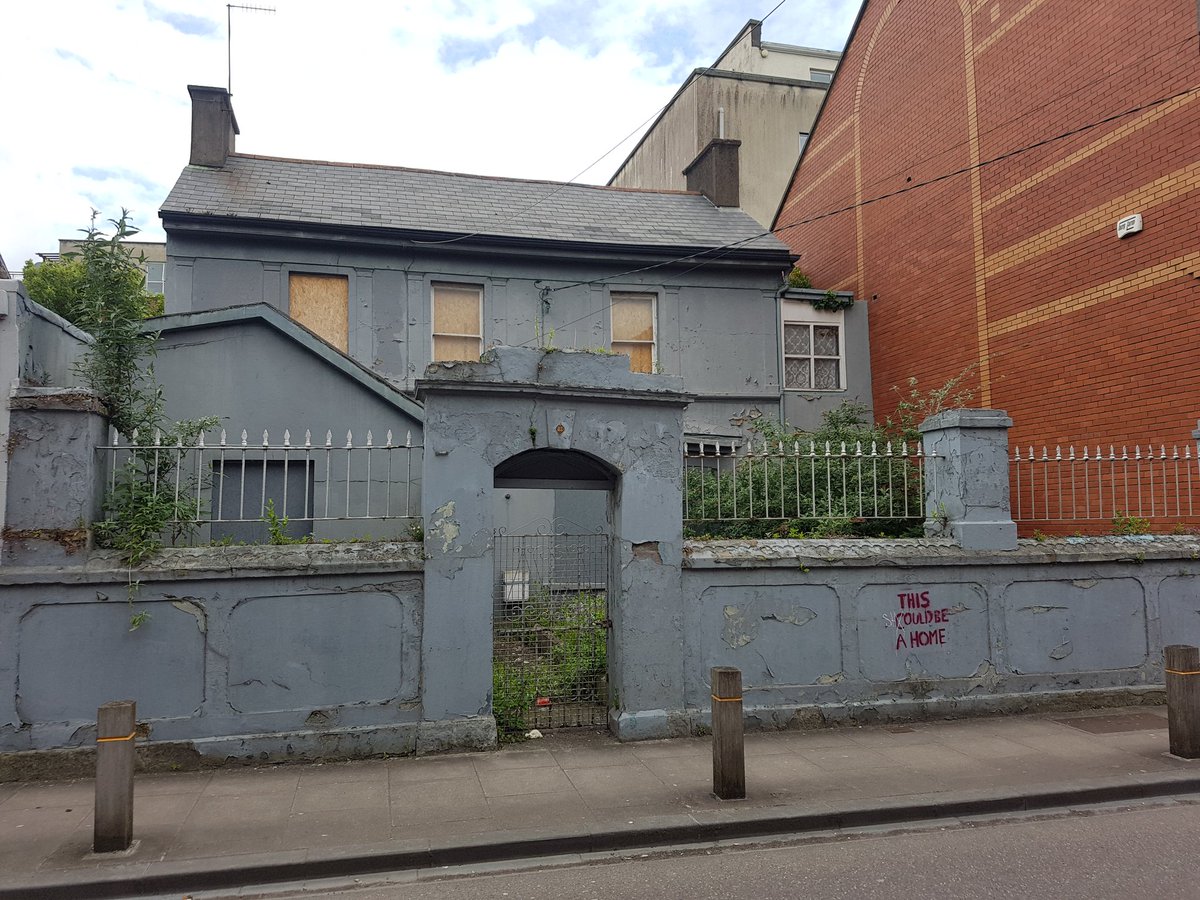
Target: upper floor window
[
  {"x": 813, "y": 348},
  {"x": 821, "y": 76},
  {"x": 457, "y": 322},
  {"x": 321, "y": 303},
  {"x": 633, "y": 329},
  {"x": 156, "y": 278}
]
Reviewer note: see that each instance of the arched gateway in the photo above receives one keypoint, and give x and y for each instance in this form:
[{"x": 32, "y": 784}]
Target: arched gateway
[{"x": 565, "y": 421}]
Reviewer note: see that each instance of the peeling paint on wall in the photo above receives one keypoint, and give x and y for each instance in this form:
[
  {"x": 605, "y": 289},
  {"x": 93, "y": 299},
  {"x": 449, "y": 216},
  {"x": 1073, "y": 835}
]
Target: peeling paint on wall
[
  {"x": 737, "y": 632},
  {"x": 192, "y": 608},
  {"x": 444, "y": 526}
]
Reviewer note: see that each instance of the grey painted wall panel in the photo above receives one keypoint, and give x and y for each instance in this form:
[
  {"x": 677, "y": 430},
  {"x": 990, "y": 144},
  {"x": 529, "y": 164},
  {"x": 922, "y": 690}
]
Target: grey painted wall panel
[
  {"x": 1180, "y": 609},
  {"x": 1075, "y": 626},
  {"x": 75, "y": 656},
  {"x": 317, "y": 648}
]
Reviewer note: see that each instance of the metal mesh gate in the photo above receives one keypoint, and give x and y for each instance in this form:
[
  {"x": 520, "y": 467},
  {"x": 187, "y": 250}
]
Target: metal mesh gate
[{"x": 550, "y": 630}]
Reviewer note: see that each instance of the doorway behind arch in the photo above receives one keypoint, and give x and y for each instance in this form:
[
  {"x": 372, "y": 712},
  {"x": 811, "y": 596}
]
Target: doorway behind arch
[{"x": 551, "y": 590}]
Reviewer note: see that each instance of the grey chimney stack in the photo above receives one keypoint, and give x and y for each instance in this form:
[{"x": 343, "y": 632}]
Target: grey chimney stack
[
  {"x": 715, "y": 172},
  {"x": 214, "y": 126}
]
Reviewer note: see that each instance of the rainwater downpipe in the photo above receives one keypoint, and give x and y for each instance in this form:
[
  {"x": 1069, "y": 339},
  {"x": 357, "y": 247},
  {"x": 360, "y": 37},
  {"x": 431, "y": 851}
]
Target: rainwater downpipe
[{"x": 721, "y": 122}]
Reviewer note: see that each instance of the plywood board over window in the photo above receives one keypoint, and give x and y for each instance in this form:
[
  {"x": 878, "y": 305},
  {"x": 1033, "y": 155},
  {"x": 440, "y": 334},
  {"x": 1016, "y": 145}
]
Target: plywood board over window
[
  {"x": 457, "y": 322},
  {"x": 633, "y": 331},
  {"x": 321, "y": 303}
]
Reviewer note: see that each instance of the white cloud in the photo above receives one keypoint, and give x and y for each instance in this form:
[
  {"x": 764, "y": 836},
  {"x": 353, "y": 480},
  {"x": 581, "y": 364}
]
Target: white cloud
[{"x": 99, "y": 113}]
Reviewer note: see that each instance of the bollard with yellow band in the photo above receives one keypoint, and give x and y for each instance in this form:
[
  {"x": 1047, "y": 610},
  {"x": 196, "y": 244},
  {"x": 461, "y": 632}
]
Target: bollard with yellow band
[{"x": 116, "y": 729}]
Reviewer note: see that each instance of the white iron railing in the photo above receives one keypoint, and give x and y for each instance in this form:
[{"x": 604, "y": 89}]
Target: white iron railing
[
  {"x": 805, "y": 480},
  {"x": 1069, "y": 486},
  {"x": 248, "y": 481}
]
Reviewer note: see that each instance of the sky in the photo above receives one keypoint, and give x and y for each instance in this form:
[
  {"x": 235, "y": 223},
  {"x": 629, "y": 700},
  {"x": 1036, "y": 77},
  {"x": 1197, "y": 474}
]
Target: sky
[{"x": 97, "y": 114}]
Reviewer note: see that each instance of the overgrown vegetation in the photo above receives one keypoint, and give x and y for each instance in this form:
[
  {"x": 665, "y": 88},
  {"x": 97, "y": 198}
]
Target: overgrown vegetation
[
  {"x": 1123, "y": 524},
  {"x": 807, "y": 496},
  {"x": 555, "y": 651},
  {"x": 100, "y": 288}
]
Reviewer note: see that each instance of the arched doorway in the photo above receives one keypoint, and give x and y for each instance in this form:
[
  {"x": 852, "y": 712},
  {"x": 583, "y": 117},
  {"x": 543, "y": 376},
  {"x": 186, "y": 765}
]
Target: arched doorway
[{"x": 552, "y": 585}]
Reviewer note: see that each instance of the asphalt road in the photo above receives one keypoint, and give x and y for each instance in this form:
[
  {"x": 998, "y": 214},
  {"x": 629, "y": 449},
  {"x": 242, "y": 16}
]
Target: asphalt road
[{"x": 1109, "y": 854}]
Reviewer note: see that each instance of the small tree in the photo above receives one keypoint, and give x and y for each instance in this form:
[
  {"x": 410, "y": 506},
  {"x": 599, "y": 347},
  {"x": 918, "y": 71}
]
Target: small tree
[{"x": 101, "y": 289}]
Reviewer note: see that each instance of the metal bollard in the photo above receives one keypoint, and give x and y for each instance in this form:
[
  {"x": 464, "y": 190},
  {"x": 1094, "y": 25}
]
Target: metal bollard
[
  {"x": 1182, "y": 672},
  {"x": 116, "y": 725},
  {"x": 729, "y": 748}
]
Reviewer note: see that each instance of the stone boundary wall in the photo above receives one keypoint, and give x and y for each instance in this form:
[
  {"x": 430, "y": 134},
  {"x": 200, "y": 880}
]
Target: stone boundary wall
[
  {"x": 828, "y": 631},
  {"x": 249, "y": 652}
]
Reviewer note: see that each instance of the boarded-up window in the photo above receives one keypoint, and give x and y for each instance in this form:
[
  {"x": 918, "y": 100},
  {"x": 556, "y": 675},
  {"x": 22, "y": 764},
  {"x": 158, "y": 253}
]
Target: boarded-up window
[
  {"x": 457, "y": 322},
  {"x": 321, "y": 303},
  {"x": 633, "y": 329}
]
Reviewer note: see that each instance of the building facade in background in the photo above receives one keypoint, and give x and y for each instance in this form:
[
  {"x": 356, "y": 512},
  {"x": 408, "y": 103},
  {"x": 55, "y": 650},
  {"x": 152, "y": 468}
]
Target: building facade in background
[
  {"x": 975, "y": 175},
  {"x": 762, "y": 94}
]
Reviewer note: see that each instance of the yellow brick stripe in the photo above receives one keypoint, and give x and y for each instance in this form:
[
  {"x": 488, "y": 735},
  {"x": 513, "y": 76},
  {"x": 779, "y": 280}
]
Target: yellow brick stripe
[
  {"x": 816, "y": 182},
  {"x": 1100, "y": 218},
  {"x": 1014, "y": 20},
  {"x": 827, "y": 139},
  {"x": 1110, "y": 290},
  {"x": 1148, "y": 117}
]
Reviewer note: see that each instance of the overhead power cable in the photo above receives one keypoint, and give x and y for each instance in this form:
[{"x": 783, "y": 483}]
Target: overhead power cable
[
  {"x": 577, "y": 175},
  {"x": 716, "y": 252}
]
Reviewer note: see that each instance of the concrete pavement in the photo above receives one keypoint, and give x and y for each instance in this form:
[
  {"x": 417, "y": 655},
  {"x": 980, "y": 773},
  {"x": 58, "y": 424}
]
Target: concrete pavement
[{"x": 576, "y": 791}]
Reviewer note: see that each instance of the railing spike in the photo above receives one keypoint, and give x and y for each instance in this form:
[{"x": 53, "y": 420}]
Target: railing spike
[
  {"x": 858, "y": 448},
  {"x": 368, "y": 437},
  {"x": 328, "y": 438},
  {"x": 408, "y": 440},
  {"x": 1016, "y": 454},
  {"x": 1045, "y": 453},
  {"x": 828, "y": 448},
  {"x": 812, "y": 448},
  {"x": 1162, "y": 451},
  {"x": 1058, "y": 452},
  {"x": 389, "y": 437},
  {"x": 1137, "y": 451},
  {"x": 843, "y": 453},
  {"x": 874, "y": 448},
  {"x": 287, "y": 437},
  {"x": 157, "y": 438},
  {"x": 1124, "y": 451},
  {"x": 244, "y": 437},
  {"x": 888, "y": 450},
  {"x": 1112, "y": 452},
  {"x": 349, "y": 438},
  {"x": 223, "y": 437},
  {"x": 307, "y": 437},
  {"x": 266, "y": 439},
  {"x": 1072, "y": 454},
  {"x": 1174, "y": 451},
  {"x": 200, "y": 441},
  {"x": 133, "y": 437}
]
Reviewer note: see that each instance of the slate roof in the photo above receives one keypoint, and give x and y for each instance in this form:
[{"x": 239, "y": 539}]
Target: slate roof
[{"x": 366, "y": 196}]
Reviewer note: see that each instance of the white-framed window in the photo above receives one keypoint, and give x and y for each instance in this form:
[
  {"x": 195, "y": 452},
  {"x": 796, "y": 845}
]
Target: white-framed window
[
  {"x": 814, "y": 354},
  {"x": 156, "y": 278},
  {"x": 821, "y": 76},
  {"x": 457, "y": 321},
  {"x": 634, "y": 328}
]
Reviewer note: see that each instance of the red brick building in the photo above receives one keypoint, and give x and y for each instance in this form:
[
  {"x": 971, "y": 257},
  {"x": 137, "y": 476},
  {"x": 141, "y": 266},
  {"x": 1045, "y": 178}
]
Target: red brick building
[{"x": 965, "y": 178}]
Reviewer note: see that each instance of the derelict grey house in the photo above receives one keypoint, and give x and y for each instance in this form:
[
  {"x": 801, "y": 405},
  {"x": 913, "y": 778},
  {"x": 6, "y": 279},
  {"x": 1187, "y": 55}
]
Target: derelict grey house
[{"x": 399, "y": 267}]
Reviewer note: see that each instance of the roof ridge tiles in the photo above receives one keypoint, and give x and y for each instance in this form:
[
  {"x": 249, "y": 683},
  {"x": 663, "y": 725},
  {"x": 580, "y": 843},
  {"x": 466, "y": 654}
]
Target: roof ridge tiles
[{"x": 495, "y": 178}]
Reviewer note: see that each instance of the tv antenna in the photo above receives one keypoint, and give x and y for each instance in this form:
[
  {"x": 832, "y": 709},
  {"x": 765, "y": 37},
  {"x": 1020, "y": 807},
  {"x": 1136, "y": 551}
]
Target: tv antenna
[{"x": 229, "y": 8}]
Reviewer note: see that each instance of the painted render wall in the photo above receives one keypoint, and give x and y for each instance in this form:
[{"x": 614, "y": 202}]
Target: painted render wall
[
  {"x": 813, "y": 625},
  {"x": 284, "y": 651},
  {"x": 717, "y": 327},
  {"x": 766, "y": 115}
]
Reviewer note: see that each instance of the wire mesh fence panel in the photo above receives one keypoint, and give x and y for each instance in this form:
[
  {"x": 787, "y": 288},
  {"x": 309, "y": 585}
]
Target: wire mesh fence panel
[
  {"x": 1088, "y": 484},
  {"x": 550, "y": 630}
]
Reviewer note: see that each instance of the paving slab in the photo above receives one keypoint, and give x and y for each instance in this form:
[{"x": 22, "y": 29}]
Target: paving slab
[{"x": 576, "y": 793}]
